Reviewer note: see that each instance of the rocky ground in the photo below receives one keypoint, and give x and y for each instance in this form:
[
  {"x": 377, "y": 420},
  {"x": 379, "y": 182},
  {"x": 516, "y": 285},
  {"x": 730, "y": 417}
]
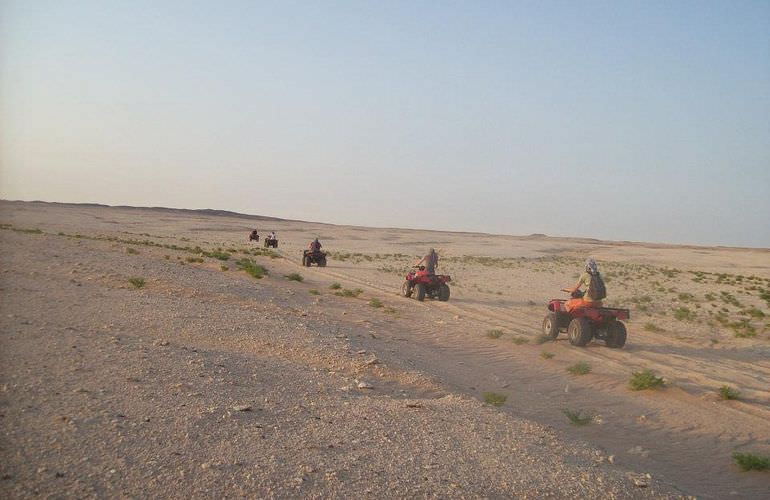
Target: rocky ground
[{"x": 204, "y": 381}]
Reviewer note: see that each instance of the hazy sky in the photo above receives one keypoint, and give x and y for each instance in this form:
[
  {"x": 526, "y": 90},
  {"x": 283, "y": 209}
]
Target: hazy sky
[{"x": 623, "y": 120}]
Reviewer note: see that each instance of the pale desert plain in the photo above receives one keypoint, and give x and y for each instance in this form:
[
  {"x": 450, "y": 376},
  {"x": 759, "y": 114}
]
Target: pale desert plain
[{"x": 139, "y": 359}]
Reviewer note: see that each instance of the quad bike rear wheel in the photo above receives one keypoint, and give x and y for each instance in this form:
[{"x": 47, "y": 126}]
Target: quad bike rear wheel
[
  {"x": 616, "y": 335},
  {"x": 580, "y": 332},
  {"x": 551, "y": 325},
  {"x": 406, "y": 289},
  {"x": 322, "y": 262},
  {"x": 443, "y": 292},
  {"x": 419, "y": 292}
]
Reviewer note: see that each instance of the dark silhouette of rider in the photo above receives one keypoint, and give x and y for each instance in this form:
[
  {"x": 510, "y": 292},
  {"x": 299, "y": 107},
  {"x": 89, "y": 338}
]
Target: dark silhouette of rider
[{"x": 430, "y": 261}]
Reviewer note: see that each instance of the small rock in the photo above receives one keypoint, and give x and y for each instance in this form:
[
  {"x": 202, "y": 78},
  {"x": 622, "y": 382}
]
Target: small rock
[
  {"x": 361, "y": 352},
  {"x": 242, "y": 408},
  {"x": 611, "y": 459},
  {"x": 364, "y": 385},
  {"x": 160, "y": 342},
  {"x": 412, "y": 404}
]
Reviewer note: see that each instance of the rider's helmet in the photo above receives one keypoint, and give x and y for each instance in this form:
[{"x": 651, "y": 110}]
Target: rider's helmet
[{"x": 591, "y": 266}]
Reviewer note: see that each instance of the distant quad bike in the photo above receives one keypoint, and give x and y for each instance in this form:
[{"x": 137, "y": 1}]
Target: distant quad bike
[
  {"x": 585, "y": 323},
  {"x": 421, "y": 284},
  {"x": 271, "y": 242},
  {"x": 253, "y": 236},
  {"x": 310, "y": 257}
]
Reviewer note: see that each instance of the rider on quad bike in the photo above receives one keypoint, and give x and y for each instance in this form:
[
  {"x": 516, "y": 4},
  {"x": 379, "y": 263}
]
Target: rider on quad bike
[
  {"x": 315, "y": 246},
  {"x": 254, "y": 236},
  {"x": 430, "y": 261},
  {"x": 595, "y": 289}
]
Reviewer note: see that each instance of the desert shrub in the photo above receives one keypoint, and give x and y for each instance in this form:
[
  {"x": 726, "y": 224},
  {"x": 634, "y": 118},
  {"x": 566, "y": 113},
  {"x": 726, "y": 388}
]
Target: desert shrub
[
  {"x": 294, "y": 277},
  {"x": 375, "y": 303},
  {"x": 251, "y": 267},
  {"x": 345, "y": 292},
  {"x": 652, "y": 327},
  {"x": 547, "y": 355},
  {"x": 542, "y": 339},
  {"x": 167, "y": 257},
  {"x": 137, "y": 282},
  {"x": 749, "y": 461},
  {"x": 727, "y": 392},
  {"x": 494, "y": 398},
  {"x": 217, "y": 254},
  {"x": 743, "y": 329},
  {"x": 194, "y": 259},
  {"x": 335, "y": 286},
  {"x": 576, "y": 417},
  {"x": 645, "y": 379},
  {"x": 314, "y": 292},
  {"x": 132, "y": 251},
  {"x": 224, "y": 268},
  {"x": 495, "y": 334},
  {"x": 519, "y": 340},
  {"x": 684, "y": 314},
  {"x": 390, "y": 310},
  {"x": 579, "y": 368}
]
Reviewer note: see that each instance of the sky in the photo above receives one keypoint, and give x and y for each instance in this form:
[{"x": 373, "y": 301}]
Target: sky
[{"x": 644, "y": 121}]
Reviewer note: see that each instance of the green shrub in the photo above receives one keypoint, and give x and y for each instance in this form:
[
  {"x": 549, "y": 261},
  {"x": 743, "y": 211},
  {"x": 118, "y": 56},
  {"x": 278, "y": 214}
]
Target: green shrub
[
  {"x": 132, "y": 251},
  {"x": 494, "y": 398},
  {"x": 224, "y": 268},
  {"x": 194, "y": 259},
  {"x": 495, "y": 334},
  {"x": 542, "y": 339},
  {"x": 335, "y": 286},
  {"x": 749, "y": 461},
  {"x": 652, "y": 327},
  {"x": 137, "y": 282},
  {"x": 645, "y": 379},
  {"x": 218, "y": 254},
  {"x": 547, "y": 355},
  {"x": 294, "y": 277},
  {"x": 314, "y": 292},
  {"x": 579, "y": 368},
  {"x": 684, "y": 314},
  {"x": 727, "y": 392},
  {"x": 252, "y": 268},
  {"x": 519, "y": 340},
  {"x": 375, "y": 303},
  {"x": 576, "y": 417}
]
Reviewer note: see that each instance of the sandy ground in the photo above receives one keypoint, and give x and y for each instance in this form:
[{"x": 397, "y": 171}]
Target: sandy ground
[{"x": 206, "y": 382}]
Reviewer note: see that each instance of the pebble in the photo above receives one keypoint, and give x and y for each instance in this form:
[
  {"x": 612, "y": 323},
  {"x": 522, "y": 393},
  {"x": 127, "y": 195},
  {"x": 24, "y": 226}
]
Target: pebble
[
  {"x": 242, "y": 408},
  {"x": 364, "y": 385}
]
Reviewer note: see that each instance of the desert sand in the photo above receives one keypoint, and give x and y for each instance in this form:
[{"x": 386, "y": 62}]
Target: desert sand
[{"x": 139, "y": 360}]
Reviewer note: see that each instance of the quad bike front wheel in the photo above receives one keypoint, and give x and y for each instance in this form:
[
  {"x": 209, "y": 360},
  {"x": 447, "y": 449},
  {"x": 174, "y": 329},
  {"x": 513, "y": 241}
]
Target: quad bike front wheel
[
  {"x": 580, "y": 332},
  {"x": 406, "y": 289},
  {"x": 443, "y": 293},
  {"x": 551, "y": 325},
  {"x": 322, "y": 262},
  {"x": 616, "y": 335},
  {"x": 419, "y": 292}
]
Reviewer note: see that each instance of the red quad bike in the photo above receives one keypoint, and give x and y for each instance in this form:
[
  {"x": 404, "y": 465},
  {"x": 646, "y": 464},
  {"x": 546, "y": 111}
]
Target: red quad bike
[
  {"x": 271, "y": 242},
  {"x": 585, "y": 323},
  {"x": 422, "y": 284},
  {"x": 310, "y": 257}
]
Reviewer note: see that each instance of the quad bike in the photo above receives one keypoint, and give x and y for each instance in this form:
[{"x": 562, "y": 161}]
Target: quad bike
[
  {"x": 253, "y": 236},
  {"x": 271, "y": 242},
  {"x": 585, "y": 323},
  {"x": 313, "y": 257},
  {"x": 421, "y": 284}
]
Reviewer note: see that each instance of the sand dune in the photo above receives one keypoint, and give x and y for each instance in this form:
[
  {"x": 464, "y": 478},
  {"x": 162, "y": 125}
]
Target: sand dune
[{"x": 108, "y": 389}]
